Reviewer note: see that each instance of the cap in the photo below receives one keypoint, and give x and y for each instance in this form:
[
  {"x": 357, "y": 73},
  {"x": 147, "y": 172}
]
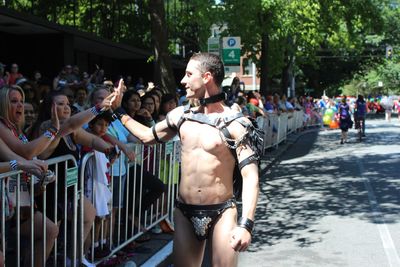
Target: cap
[
  {"x": 20, "y": 81},
  {"x": 2, "y": 65}
]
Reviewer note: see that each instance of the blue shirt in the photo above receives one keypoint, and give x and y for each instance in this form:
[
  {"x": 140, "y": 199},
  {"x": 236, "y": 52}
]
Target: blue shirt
[{"x": 117, "y": 130}]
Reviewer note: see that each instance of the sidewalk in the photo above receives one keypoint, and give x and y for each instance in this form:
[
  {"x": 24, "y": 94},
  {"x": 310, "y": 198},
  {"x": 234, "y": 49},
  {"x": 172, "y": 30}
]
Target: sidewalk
[{"x": 158, "y": 251}]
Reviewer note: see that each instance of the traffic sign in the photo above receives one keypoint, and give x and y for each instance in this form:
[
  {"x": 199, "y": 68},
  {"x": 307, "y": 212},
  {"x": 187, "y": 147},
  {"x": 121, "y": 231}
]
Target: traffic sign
[
  {"x": 231, "y": 51},
  {"x": 231, "y": 56},
  {"x": 231, "y": 42},
  {"x": 213, "y": 45}
]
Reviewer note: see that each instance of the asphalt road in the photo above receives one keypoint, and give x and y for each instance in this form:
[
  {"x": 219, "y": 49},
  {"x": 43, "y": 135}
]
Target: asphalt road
[{"x": 326, "y": 204}]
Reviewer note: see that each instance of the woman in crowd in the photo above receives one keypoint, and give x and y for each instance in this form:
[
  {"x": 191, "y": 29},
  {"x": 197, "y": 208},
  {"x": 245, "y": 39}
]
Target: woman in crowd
[
  {"x": 11, "y": 122},
  {"x": 66, "y": 143},
  {"x": 147, "y": 110},
  {"x": 168, "y": 103},
  {"x": 30, "y": 113},
  {"x": 131, "y": 103},
  {"x": 157, "y": 101},
  {"x": 17, "y": 163},
  {"x": 152, "y": 187}
]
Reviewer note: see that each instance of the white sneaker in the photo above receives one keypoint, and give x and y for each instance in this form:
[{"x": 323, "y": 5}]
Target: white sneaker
[
  {"x": 86, "y": 263},
  {"x": 156, "y": 229}
]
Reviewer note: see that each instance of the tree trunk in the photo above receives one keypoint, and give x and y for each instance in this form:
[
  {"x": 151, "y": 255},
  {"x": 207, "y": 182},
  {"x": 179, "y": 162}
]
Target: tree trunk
[
  {"x": 264, "y": 79},
  {"x": 285, "y": 76},
  {"x": 163, "y": 73}
]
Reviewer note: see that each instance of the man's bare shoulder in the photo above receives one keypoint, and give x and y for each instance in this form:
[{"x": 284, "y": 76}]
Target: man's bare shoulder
[
  {"x": 175, "y": 115},
  {"x": 236, "y": 128}
]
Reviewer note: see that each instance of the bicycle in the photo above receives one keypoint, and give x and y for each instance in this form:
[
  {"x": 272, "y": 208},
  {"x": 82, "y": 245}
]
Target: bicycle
[{"x": 359, "y": 125}]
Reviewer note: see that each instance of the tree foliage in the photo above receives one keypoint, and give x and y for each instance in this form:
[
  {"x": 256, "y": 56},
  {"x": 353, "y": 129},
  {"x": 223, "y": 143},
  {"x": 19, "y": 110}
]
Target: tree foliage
[
  {"x": 324, "y": 43},
  {"x": 309, "y": 31}
]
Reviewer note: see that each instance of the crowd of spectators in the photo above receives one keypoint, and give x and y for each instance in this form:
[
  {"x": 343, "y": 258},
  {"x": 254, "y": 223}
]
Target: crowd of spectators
[{"x": 43, "y": 120}]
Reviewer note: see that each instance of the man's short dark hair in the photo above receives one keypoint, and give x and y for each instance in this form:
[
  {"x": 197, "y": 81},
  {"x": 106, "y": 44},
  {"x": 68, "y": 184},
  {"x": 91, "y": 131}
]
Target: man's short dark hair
[{"x": 213, "y": 64}]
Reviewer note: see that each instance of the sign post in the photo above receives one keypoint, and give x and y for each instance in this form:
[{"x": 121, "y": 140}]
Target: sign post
[
  {"x": 213, "y": 45},
  {"x": 231, "y": 54}
]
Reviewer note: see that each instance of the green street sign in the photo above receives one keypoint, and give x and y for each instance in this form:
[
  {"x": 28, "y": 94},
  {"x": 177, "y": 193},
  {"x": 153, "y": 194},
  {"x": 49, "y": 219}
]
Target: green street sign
[{"x": 231, "y": 56}]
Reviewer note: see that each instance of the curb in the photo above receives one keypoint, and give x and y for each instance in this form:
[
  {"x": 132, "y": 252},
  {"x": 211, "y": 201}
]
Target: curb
[{"x": 162, "y": 258}]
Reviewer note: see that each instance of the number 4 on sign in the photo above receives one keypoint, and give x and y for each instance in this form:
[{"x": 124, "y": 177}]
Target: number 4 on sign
[{"x": 231, "y": 54}]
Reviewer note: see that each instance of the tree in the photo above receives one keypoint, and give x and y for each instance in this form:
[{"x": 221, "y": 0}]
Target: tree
[
  {"x": 304, "y": 30},
  {"x": 163, "y": 68}
]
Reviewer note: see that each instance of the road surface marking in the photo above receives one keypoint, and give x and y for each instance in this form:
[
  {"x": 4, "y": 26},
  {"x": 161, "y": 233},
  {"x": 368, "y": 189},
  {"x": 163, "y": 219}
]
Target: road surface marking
[{"x": 387, "y": 241}]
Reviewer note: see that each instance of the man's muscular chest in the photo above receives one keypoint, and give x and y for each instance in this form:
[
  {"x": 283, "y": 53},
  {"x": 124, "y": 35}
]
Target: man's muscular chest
[{"x": 196, "y": 135}]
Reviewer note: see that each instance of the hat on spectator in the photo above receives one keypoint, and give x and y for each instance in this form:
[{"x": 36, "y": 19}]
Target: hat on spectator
[
  {"x": 20, "y": 81},
  {"x": 254, "y": 101},
  {"x": 2, "y": 65}
]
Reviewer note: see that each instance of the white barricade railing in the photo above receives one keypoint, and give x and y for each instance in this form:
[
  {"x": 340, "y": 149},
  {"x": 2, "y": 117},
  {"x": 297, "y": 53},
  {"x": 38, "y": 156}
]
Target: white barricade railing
[
  {"x": 148, "y": 193},
  {"x": 141, "y": 212},
  {"x": 24, "y": 210},
  {"x": 278, "y": 127},
  {"x": 282, "y": 127}
]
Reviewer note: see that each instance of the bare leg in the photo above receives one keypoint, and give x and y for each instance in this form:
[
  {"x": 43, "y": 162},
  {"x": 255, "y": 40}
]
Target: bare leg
[
  {"x": 222, "y": 252},
  {"x": 188, "y": 251},
  {"x": 97, "y": 229},
  {"x": 89, "y": 215},
  {"x": 51, "y": 235}
]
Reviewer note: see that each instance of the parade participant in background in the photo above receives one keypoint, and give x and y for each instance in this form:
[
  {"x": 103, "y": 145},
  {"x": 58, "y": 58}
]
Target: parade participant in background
[
  {"x": 360, "y": 112},
  {"x": 206, "y": 208},
  {"x": 345, "y": 121},
  {"x": 397, "y": 106}
]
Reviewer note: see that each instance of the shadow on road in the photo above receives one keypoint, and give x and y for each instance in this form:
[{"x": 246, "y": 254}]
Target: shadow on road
[{"x": 297, "y": 193}]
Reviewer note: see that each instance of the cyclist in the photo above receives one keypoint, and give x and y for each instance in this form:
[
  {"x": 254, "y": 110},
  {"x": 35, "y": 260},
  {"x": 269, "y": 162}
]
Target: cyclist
[{"x": 360, "y": 111}]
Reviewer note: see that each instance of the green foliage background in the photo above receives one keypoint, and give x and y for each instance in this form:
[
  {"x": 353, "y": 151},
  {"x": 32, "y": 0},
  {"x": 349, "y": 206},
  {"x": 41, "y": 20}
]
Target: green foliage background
[{"x": 336, "y": 46}]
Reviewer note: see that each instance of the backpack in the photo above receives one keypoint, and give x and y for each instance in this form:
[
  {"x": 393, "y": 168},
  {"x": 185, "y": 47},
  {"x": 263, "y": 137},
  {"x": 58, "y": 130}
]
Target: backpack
[
  {"x": 361, "y": 108},
  {"x": 344, "y": 112},
  {"x": 254, "y": 135}
]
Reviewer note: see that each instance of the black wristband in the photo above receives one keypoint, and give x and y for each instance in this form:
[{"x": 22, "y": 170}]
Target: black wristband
[
  {"x": 246, "y": 224},
  {"x": 118, "y": 113},
  {"x": 153, "y": 129}
]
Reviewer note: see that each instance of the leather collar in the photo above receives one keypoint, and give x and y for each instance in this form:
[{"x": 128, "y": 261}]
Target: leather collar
[{"x": 212, "y": 99}]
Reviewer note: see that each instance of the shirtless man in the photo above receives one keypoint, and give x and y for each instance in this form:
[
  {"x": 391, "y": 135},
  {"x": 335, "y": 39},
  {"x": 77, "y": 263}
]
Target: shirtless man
[{"x": 206, "y": 208}]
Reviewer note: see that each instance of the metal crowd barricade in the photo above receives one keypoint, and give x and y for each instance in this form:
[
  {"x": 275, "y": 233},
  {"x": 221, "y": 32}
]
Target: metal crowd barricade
[
  {"x": 282, "y": 127},
  {"x": 161, "y": 161},
  {"x": 278, "y": 127},
  {"x": 16, "y": 199}
]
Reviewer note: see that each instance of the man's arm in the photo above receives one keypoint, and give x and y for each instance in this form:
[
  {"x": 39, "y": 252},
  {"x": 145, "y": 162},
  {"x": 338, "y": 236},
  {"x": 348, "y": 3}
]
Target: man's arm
[
  {"x": 241, "y": 236},
  {"x": 161, "y": 132}
]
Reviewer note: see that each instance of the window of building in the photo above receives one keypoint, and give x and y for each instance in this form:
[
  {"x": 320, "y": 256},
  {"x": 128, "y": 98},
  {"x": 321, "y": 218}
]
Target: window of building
[{"x": 247, "y": 66}]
